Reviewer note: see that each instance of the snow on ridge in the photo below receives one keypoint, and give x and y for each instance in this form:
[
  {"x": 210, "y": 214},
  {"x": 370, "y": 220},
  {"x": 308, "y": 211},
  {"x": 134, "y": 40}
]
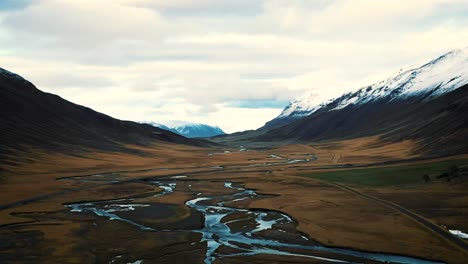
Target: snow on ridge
[
  {"x": 441, "y": 75},
  {"x": 178, "y": 123},
  {"x": 188, "y": 129},
  {"x": 303, "y": 106},
  {"x": 437, "y": 77},
  {"x": 181, "y": 124}
]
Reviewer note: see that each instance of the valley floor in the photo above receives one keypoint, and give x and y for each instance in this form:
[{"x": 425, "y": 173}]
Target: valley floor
[{"x": 294, "y": 204}]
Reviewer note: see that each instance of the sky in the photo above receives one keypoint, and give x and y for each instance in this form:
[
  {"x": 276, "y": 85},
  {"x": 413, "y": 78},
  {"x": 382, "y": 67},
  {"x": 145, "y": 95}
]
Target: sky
[{"x": 231, "y": 63}]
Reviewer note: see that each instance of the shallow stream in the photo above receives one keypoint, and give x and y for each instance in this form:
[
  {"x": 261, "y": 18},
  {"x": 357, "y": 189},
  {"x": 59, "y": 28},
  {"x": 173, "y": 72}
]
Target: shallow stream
[{"x": 229, "y": 231}]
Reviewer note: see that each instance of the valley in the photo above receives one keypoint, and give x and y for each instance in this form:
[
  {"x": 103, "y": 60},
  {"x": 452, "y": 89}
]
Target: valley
[
  {"x": 376, "y": 175},
  {"x": 235, "y": 206}
]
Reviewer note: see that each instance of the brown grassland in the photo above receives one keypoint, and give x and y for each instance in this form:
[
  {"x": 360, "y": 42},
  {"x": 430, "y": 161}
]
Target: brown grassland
[{"x": 39, "y": 228}]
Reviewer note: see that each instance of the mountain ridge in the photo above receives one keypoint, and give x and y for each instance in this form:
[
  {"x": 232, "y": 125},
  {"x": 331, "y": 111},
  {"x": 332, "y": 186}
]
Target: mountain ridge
[
  {"x": 32, "y": 118},
  {"x": 188, "y": 129},
  {"x": 434, "y": 78}
]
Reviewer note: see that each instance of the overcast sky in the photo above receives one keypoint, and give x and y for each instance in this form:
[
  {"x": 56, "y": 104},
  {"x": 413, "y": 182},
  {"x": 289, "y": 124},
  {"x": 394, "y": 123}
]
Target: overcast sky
[{"x": 232, "y": 63}]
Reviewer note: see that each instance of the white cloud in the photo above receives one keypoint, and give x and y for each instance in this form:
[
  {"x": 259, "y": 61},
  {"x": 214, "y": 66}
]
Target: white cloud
[
  {"x": 79, "y": 23},
  {"x": 194, "y": 60}
]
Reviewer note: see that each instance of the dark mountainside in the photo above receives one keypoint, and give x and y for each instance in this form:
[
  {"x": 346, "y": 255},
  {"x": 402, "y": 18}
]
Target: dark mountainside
[
  {"x": 439, "y": 125},
  {"x": 31, "y": 118}
]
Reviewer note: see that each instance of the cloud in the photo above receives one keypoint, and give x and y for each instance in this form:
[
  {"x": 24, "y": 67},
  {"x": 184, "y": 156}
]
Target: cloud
[
  {"x": 255, "y": 104},
  {"x": 202, "y": 7},
  {"x": 74, "y": 79},
  {"x": 234, "y": 63},
  {"x": 77, "y": 24}
]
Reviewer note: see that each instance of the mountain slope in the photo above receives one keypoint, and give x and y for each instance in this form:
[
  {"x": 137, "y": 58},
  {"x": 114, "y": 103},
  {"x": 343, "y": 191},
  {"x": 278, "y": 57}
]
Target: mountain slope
[
  {"x": 189, "y": 129},
  {"x": 31, "y": 118},
  {"x": 437, "y": 77},
  {"x": 427, "y": 104},
  {"x": 439, "y": 125}
]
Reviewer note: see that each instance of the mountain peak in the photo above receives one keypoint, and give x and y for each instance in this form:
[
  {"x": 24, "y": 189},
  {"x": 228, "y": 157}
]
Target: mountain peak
[{"x": 188, "y": 129}]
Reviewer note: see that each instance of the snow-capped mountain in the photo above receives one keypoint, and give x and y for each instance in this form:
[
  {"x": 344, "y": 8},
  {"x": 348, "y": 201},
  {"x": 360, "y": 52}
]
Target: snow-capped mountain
[
  {"x": 437, "y": 77},
  {"x": 426, "y": 105},
  {"x": 189, "y": 129}
]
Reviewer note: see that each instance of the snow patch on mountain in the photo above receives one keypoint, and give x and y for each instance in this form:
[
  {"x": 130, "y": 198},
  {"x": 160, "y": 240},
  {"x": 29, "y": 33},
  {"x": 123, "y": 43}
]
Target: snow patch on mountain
[
  {"x": 188, "y": 129},
  {"x": 303, "y": 106},
  {"x": 437, "y": 77}
]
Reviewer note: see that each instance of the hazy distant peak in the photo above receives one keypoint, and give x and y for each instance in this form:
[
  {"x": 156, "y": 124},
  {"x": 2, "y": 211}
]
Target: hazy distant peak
[{"x": 188, "y": 129}]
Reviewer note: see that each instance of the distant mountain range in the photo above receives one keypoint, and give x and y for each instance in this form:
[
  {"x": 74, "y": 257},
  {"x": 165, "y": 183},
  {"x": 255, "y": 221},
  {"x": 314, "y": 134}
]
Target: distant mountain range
[
  {"x": 189, "y": 129},
  {"x": 32, "y": 119},
  {"x": 428, "y": 104}
]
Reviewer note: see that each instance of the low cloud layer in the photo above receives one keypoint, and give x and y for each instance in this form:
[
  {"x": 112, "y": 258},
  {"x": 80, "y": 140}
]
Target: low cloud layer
[{"x": 232, "y": 63}]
